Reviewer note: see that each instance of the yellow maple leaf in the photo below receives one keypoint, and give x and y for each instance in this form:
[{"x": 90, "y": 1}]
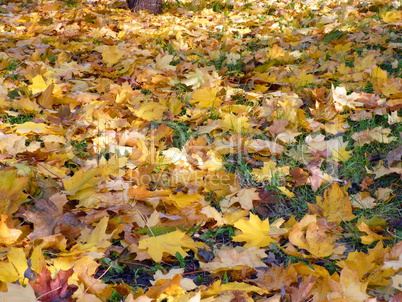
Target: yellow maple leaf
[
  {"x": 11, "y": 191},
  {"x": 367, "y": 264},
  {"x": 28, "y": 106},
  {"x": 83, "y": 265},
  {"x": 30, "y": 127},
  {"x": 269, "y": 171},
  {"x": 94, "y": 239},
  {"x": 7, "y": 235},
  {"x": 311, "y": 235},
  {"x": 110, "y": 54},
  {"x": 38, "y": 84},
  {"x": 343, "y": 100},
  {"x": 217, "y": 288},
  {"x": 151, "y": 111},
  {"x": 244, "y": 197},
  {"x": 371, "y": 235},
  {"x": 341, "y": 155},
  {"x": 394, "y": 118},
  {"x": 336, "y": 205},
  {"x": 276, "y": 52},
  {"x": 195, "y": 78},
  {"x": 81, "y": 180},
  {"x": 392, "y": 16},
  {"x": 237, "y": 124},
  {"x": 37, "y": 259},
  {"x": 285, "y": 191},
  {"x": 303, "y": 79},
  {"x": 265, "y": 147},
  {"x": 13, "y": 143},
  {"x": 162, "y": 62},
  {"x": 378, "y": 73},
  {"x": 349, "y": 288},
  {"x": 381, "y": 135},
  {"x": 14, "y": 269},
  {"x": 167, "y": 289},
  {"x": 206, "y": 98},
  {"x": 170, "y": 243},
  {"x": 255, "y": 232},
  {"x": 182, "y": 200}
]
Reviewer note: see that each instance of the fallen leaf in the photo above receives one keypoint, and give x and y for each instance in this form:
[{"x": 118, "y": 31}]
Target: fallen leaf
[
  {"x": 312, "y": 234},
  {"x": 48, "y": 288},
  {"x": 18, "y": 293},
  {"x": 254, "y": 232},
  {"x": 171, "y": 243},
  {"x": 11, "y": 190},
  {"x": 8, "y": 234},
  {"x": 44, "y": 215},
  {"x": 336, "y": 204},
  {"x": 371, "y": 236},
  {"x": 236, "y": 259}
]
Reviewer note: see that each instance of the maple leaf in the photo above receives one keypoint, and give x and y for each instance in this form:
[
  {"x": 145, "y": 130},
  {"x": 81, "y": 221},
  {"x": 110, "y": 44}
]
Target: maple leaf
[
  {"x": 94, "y": 239},
  {"x": 12, "y": 144},
  {"x": 84, "y": 265},
  {"x": 110, "y": 54},
  {"x": 14, "y": 269},
  {"x": 166, "y": 288},
  {"x": 244, "y": 197},
  {"x": 285, "y": 191},
  {"x": 256, "y": 233},
  {"x": 185, "y": 283},
  {"x": 11, "y": 190},
  {"x": 392, "y": 16},
  {"x": 50, "y": 289},
  {"x": 371, "y": 236},
  {"x": 341, "y": 155},
  {"x": 206, "y": 98},
  {"x": 342, "y": 100},
  {"x": 236, "y": 259},
  {"x": 194, "y": 78},
  {"x": 377, "y": 134},
  {"x": 8, "y": 235},
  {"x": 299, "y": 176},
  {"x": 335, "y": 206},
  {"x": 349, "y": 288},
  {"x": 394, "y": 253},
  {"x": 81, "y": 180},
  {"x": 363, "y": 200},
  {"x": 38, "y": 84},
  {"x": 217, "y": 288},
  {"x": 162, "y": 62},
  {"x": 44, "y": 216},
  {"x": 276, "y": 277},
  {"x": 265, "y": 148},
  {"x": 107, "y": 90},
  {"x": 182, "y": 200},
  {"x": 236, "y": 124},
  {"x": 270, "y": 170},
  {"x": 171, "y": 243},
  {"x": 151, "y": 111},
  {"x": 18, "y": 293},
  {"x": 311, "y": 234}
]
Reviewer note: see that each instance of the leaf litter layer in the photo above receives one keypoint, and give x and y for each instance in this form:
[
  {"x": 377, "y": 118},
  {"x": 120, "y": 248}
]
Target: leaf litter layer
[{"x": 220, "y": 151}]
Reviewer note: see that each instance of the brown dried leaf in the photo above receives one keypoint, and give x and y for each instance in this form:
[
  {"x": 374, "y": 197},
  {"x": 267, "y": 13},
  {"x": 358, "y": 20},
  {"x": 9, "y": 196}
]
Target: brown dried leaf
[{"x": 44, "y": 215}]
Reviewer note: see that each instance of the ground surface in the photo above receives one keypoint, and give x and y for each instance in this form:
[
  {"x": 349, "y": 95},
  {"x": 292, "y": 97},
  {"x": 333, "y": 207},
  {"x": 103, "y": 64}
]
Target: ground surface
[{"x": 219, "y": 151}]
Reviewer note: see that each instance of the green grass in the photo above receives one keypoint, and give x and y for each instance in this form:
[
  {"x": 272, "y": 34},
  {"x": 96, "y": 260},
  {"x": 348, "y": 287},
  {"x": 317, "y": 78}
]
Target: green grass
[{"x": 17, "y": 119}]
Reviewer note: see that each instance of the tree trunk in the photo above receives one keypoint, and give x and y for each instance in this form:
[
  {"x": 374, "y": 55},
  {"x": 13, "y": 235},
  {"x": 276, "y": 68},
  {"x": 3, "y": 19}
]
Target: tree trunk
[{"x": 153, "y": 6}]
